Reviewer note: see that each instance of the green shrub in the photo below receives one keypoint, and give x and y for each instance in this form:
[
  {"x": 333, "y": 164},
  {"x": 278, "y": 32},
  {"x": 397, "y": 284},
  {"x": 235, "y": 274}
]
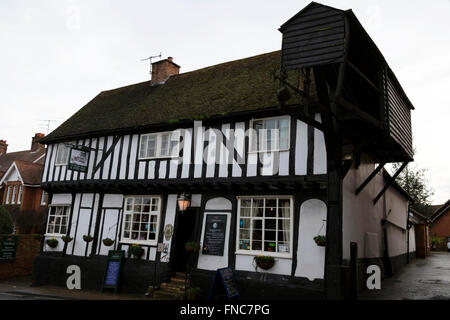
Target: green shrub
[{"x": 6, "y": 221}]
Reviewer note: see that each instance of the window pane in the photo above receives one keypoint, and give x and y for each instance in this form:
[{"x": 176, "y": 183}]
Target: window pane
[
  {"x": 164, "y": 145},
  {"x": 246, "y": 203},
  {"x": 284, "y": 203},
  {"x": 283, "y": 224},
  {"x": 270, "y": 224},
  {"x": 258, "y": 212},
  {"x": 257, "y": 234},
  {"x": 283, "y": 212},
  {"x": 283, "y": 236},
  {"x": 257, "y": 224},
  {"x": 244, "y": 234},
  {"x": 143, "y": 147},
  {"x": 151, "y": 146},
  {"x": 283, "y": 247},
  {"x": 284, "y": 133},
  {"x": 244, "y": 223},
  {"x": 245, "y": 212},
  {"x": 244, "y": 244},
  {"x": 256, "y": 245},
  {"x": 270, "y": 235},
  {"x": 270, "y": 246},
  {"x": 126, "y": 234}
]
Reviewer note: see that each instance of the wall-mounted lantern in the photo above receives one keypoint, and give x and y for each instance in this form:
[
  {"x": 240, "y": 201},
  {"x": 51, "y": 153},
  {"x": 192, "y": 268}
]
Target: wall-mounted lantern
[{"x": 183, "y": 202}]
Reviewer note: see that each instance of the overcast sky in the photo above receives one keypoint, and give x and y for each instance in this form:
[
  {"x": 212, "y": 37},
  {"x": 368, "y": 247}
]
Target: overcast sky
[{"x": 57, "y": 55}]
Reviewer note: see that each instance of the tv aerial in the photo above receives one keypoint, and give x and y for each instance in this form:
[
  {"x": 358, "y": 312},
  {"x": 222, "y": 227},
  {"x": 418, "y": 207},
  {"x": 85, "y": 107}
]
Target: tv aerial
[{"x": 150, "y": 59}]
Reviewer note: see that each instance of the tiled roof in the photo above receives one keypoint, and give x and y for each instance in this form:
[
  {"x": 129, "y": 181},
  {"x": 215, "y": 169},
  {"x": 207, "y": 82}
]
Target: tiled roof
[{"x": 28, "y": 156}]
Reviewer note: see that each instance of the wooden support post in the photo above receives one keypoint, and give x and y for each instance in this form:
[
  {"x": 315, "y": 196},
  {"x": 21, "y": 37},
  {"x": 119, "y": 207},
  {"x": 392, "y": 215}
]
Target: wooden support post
[
  {"x": 370, "y": 177},
  {"x": 353, "y": 270}
]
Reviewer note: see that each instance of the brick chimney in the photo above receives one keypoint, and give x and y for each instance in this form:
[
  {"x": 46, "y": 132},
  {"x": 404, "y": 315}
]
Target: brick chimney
[
  {"x": 3, "y": 147},
  {"x": 36, "y": 145},
  {"x": 163, "y": 69}
]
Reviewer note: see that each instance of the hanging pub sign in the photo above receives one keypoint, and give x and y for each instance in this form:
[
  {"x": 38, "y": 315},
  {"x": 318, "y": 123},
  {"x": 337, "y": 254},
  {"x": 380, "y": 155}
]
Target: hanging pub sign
[
  {"x": 8, "y": 245},
  {"x": 224, "y": 281},
  {"x": 78, "y": 159},
  {"x": 112, "y": 272},
  {"x": 214, "y": 239}
]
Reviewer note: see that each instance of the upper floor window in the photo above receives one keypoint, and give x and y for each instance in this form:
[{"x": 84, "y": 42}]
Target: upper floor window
[
  {"x": 265, "y": 225},
  {"x": 62, "y": 154},
  {"x": 58, "y": 220},
  {"x": 159, "y": 145},
  {"x": 19, "y": 196},
  {"x": 13, "y": 198},
  {"x": 8, "y": 194},
  {"x": 43, "y": 198},
  {"x": 270, "y": 134},
  {"x": 141, "y": 219}
]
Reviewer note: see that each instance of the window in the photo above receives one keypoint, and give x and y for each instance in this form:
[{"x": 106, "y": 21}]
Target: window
[
  {"x": 141, "y": 219},
  {"x": 19, "y": 197},
  {"x": 13, "y": 198},
  {"x": 265, "y": 225},
  {"x": 271, "y": 134},
  {"x": 62, "y": 155},
  {"x": 43, "y": 198},
  {"x": 58, "y": 220},
  {"x": 159, "y": 145},
  {"x": 8, "y": 193}
]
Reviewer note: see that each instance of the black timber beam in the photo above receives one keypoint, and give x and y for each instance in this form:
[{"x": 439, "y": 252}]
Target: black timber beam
[
  {"x": 341, "y": 101},
  {"x": 392, "y": 179},
  {"x": 370, "y": 177},
  {"x": 363, "y": 76}
]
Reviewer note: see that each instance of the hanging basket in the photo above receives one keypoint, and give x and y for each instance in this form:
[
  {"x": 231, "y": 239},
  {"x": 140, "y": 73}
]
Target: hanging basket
[
  {"x": 88, "y": 238},
  {"x": 108, "y": 242},
  {"x": 66, "y": 239},
  {"x": 321, "y": 241},
  {"x": 136, "y": 251},
  {"x": 52, "y": 243},
  {"x": 264, "y": 262}
]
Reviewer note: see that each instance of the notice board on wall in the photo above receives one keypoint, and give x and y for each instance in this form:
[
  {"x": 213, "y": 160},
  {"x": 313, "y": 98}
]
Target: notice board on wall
[
  {"x": 215, "y": 232},
  {"x": 8, "y": 245},
  {"x": 112, "y": 272}
]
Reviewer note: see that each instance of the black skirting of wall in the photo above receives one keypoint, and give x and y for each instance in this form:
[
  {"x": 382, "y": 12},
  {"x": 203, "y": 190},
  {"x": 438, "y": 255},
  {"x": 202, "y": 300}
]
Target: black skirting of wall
[
  {"x": 135, "y": 277},
  {"x": 264, "y": 286}
]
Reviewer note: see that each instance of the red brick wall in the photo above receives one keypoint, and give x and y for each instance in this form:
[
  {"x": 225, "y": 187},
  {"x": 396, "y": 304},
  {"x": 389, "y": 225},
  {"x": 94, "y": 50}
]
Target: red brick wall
[
  {"x": 28, "y": 246},
  {"x": 422, "y": 241},
  {"x": 441, "y": 227}
]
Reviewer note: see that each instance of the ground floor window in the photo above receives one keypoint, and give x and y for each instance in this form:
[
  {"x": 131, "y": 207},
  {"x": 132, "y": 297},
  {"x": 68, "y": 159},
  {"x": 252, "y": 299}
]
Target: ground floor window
[
  {"x": 265, "y": 225},
  {"x": 58, "y": 220},
  {"x": 141, "y": 219}
]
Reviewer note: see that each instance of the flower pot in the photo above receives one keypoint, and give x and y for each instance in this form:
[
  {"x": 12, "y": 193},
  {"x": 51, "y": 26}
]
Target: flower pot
[
  {"x": 66, "y": 239},
  {"x": 88, "y": 238}
]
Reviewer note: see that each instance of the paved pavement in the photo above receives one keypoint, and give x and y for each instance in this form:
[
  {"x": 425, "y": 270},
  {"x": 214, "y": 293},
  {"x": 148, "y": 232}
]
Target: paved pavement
[
  {"x": 421, "y": 279},
  {"x": 21, "y": 289}
]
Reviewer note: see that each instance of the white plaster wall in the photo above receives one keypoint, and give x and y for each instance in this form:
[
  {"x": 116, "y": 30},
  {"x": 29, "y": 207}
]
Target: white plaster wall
[
  {"x": 218, "y": 204},
  {"x": 282, "y": 266},
  {"x": 113, "y": 200},
  {"x": 62, "y": 198},
  {"x": 301, "y": 148},
  {"x": 397, "y": 239},
  {"x": 109, "y": 229},
  {"x": 396, "y": 207},
  {"x": 320, "y": 151},
  {"x": 361, "y": 218},
  {"x": 311, "y": 257},
  {"x": 170, "y": 219}
]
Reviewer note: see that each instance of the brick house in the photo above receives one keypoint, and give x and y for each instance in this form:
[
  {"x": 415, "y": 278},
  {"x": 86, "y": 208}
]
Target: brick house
[
  {"x": 419, "y": 234},
  {"x": 440, "y": 226},
  {"x": 20, "y": 175}
]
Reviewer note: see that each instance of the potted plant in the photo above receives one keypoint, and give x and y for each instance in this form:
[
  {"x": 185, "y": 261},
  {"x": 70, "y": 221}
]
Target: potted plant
[
  {"x": 88, "y": 238},
  {"x": 52, "y": 242},
  {"x": 136, "y": 251},
  {"x": 150, "y": 291},
  {"x": 193, "y": 293},
  {"x": 108, "y": 242},
  {"x": 264, "y": 262},
  {"x": 66, "y": 239},
  {"x": 192, "y": 246},
  {"x": 321, "y": 241}
]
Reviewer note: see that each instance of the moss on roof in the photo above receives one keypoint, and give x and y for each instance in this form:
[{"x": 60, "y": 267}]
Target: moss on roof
[{"x": 241, "y": 85}]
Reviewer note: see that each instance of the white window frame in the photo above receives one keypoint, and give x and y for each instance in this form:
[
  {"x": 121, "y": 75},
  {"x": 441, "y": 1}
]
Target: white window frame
[
  {"x": 8, "y": 194},
  {"x": 19, "y": 196},
  {"x": 128, "y": 240},
  {"x": 158, "y": 145},
  {"x": 291, "y": 227},
  {"x": 62, "y": 147},
  {"x": 252, "y": 135},
  {"x": 66, "y": 208},
  {"x": 43, "y": 196},
  {"x": 14, "y": 193}
]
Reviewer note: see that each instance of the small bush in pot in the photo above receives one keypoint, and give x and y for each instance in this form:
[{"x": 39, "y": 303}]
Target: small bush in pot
[
  {"x": 192, "y": 246},
  {"x": 136, "y": 251}
]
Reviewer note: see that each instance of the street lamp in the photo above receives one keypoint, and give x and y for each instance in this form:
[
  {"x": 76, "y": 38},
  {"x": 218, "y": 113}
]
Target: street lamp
[{"x": 183, "y": 202}]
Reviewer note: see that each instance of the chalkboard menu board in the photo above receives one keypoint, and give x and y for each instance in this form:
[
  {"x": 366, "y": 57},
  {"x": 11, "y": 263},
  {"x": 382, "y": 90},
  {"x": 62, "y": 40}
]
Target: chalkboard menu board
[
  {"x": 112, "y": 273},
  {"x": 8, "y": 245},
  {"x": 224, "y": 279},
  {"x": 215, "y": 230}
]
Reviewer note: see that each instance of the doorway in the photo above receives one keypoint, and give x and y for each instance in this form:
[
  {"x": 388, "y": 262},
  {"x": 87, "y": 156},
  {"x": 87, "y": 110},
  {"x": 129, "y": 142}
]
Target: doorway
[{"x": 185, "y": 232}]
